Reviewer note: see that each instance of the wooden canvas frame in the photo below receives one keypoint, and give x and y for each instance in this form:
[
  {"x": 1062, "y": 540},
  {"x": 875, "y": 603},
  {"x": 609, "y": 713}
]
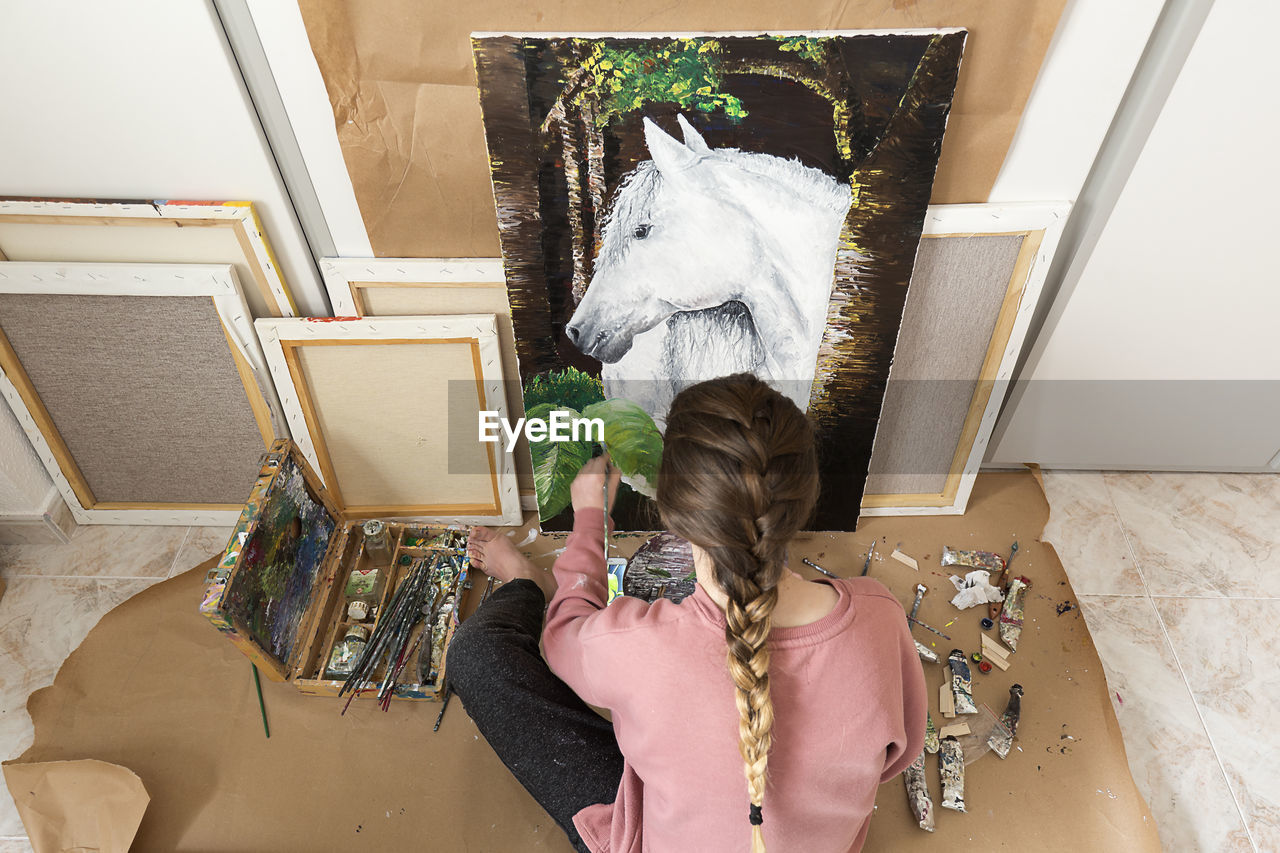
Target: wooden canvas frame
[
  {"x": 281, "y": 340},
  {"x": 344, "y": 278},
  {"x": 218, "y": 283},
  {"x": 238, "y": 216},
  {"x": 347, "y": 278},
  {"x": 1041, "y": 227}
]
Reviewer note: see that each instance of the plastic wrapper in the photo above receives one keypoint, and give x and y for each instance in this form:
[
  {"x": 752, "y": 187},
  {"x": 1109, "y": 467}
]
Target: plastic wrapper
[
  {"x": 930, "y": 735},
  {"x": 961, "y": 683},
  {"x": 926, "y": 653},
  {"x": 975, "y": 588},
  {"x": 974, "y": 559},
  {"x": 1011, "y": 614},
  {"x": 918, "y": 794},
  {"x": 1001, "y": 738},
  {"x": 951, "y": 768}
]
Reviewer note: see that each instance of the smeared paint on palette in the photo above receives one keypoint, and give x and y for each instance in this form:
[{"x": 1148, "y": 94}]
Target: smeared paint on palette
[
  {"x": 281, "y": 557},
  {"x": 661, "y": 567}
]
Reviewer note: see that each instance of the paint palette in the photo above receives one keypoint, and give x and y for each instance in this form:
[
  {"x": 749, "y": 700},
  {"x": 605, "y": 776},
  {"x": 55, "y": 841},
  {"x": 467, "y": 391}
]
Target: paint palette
[{"x": 283, "y": 590}]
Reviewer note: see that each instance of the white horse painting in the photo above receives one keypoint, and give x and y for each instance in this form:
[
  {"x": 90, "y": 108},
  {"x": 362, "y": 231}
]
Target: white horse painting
[{"x": 711, "y": 262}]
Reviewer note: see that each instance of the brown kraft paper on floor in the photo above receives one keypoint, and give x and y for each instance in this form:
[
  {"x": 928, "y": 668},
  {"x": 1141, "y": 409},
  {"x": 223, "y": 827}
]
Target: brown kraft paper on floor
[
  {"x": 157, "y": 689},
  {"x": 84, "y": 805},
  {"x": 402, "y": 86}
]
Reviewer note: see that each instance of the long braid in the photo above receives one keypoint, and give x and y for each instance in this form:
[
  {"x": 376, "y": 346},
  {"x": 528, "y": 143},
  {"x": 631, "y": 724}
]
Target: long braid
[{"x": 738, "y": 479}]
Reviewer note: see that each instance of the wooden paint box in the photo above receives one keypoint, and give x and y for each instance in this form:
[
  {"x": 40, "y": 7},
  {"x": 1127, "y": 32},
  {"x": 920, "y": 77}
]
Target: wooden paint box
[{"x": 280, "y": 590}]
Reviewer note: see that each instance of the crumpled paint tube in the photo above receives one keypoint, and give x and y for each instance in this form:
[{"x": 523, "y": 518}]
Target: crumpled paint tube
[
  {"x": 926, "y": 653},
  {"x": 1011, "y": 615},
  {"x": 918, "y": 794},
  {"x": 961, "y": 684},
  {"x": 993, "y": 563},
  {"x": 951, "y": 768},
  {"x": 1000, "y": 742},
  {"x": 930, "y": 735}
]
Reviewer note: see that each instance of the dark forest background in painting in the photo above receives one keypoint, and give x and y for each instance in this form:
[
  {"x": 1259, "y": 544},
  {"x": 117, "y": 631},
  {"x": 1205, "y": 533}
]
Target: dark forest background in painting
[{"x": 564, "y": 125}]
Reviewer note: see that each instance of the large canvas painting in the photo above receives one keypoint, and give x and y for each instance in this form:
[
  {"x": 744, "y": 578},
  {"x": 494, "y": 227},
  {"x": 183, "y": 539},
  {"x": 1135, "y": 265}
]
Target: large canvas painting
[{"x": 675, "y": 208}]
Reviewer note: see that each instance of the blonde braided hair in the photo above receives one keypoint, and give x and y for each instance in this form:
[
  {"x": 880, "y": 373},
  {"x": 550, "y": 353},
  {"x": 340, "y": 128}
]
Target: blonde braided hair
[{"x": 739, "y": 478}]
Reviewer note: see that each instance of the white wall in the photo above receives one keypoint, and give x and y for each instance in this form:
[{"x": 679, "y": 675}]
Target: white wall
[
  {"x": 1179, "y": 295},
  {"x": 24, "y": 485},
  {"x": 1086, "y": 69},
  {"x": 138, "y": 99},
  {"x": 130, "y": 99}
]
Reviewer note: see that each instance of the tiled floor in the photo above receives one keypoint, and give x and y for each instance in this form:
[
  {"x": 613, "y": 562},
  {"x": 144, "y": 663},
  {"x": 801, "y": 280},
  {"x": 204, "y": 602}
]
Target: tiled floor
[
  {"x": 1179, "y": 579},
  {"x": 55, "y": 595},
  {"x": 1178, "y": 576}
]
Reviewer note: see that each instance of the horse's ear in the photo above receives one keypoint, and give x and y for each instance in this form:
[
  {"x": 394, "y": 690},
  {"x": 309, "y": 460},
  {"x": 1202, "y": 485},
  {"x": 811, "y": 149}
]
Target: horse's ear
[
  {"x": 692, "y": 139},
  {"x": 669, "y": 155}
]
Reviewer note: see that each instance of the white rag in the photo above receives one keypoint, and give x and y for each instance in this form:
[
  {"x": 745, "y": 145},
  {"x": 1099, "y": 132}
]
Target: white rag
[{"x": 976, "y": 588}]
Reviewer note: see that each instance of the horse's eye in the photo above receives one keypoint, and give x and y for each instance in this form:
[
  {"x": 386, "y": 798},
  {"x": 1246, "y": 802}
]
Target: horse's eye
[{"x": 641, "y": 231}]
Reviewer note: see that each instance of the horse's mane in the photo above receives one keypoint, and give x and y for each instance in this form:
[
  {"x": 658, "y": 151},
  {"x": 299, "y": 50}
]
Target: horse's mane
[
  {"x": 635, "y": 194},
  {"x": 812, "y": 185}
]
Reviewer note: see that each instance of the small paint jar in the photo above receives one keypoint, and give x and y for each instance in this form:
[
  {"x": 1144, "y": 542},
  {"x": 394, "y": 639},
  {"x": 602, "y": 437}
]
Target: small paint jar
[
  {"x": 377, "y": 542},
  {"x": 347, "y": 651},
  {"x": 984, "y": 666},
  {"x": 987, "y": 624},
  {"x": 976, "y": 657},
  {"x": 358, "y": 611}
]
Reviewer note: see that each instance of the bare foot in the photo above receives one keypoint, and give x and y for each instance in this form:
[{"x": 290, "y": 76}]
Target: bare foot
[{"x": 496, "y": 555}]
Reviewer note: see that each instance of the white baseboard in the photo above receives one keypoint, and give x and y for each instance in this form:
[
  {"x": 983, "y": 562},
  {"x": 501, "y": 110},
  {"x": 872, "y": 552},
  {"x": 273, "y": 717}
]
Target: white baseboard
[{"x": 53, "y": 525}]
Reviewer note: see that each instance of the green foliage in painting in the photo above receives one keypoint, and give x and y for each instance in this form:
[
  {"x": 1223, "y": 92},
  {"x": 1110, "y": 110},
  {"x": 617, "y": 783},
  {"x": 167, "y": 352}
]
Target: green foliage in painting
[
  {"x": 682, "y": 71},
  {"x": 555, "y": 463},
  {"x": 630, "y": 436},
  {"x": 571, "y": 388},
  {"x": 633, "y": 442},
  {"x": 812, "y": 49}
]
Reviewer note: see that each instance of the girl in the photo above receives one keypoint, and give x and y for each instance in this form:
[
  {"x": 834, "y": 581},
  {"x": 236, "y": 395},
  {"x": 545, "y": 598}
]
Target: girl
[{"x": 761, "y": 695}]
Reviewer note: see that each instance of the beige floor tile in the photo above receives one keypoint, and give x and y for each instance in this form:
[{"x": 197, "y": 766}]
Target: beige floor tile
[
  {"x": 201, "y": 544},
  {"x": 1169, "y": 752},
  {"x": 1085, "y": 531},
  {"x": 1202, "y": 534},
  {"x": 99, "y": 550},
  {"x": 1229, "y": 651}
]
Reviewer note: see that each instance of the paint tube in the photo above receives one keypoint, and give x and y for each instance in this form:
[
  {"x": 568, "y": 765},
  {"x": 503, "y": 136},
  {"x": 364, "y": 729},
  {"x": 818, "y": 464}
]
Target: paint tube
[
  {"x": 918, "y": 794},
  {"x": 930, "y": 735},
  {"x": 1011, "y": 615},
  {"x": 976, "y": 559},
  {"x": 961, "y": 685},
  {"x": 926, "y": 653},
  {"x": 1001, "y": 739},
  {"x": 951, "y": 768}
]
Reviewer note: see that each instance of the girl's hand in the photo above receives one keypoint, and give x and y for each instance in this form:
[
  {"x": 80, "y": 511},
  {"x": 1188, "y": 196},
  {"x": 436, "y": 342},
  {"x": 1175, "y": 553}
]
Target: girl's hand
[{"x": 587, "y": 491}]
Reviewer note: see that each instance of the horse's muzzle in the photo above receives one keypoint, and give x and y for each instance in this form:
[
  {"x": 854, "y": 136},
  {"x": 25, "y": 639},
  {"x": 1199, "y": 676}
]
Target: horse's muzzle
[{"x": 603, "y": 345}]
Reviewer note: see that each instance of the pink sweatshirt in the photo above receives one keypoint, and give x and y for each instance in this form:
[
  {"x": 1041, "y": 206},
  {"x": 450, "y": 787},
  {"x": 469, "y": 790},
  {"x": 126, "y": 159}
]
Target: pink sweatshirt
[{"x": 848, "y": 697}]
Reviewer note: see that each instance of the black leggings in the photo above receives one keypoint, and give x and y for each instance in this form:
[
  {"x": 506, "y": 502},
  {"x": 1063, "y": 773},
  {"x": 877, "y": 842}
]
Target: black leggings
[{"x": 564, "y": 753}]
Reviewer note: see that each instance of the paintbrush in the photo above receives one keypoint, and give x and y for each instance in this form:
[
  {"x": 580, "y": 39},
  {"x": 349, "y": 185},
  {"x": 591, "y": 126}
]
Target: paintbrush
[{"x": 811, "y": 564}]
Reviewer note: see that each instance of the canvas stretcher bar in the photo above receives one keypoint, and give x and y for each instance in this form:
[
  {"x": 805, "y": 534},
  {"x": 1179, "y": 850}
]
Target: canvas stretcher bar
[
  {"x": 77, "y": 365},
  {"x": 392, "y": 287},
  {"x": 71, "y": 230},
  {"x": 386, "y": 410},
  {"x": 349, "y": 279},
  {"x": 1040, "y": 228}
]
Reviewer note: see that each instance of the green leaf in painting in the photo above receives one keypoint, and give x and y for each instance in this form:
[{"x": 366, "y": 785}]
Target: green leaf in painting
[
  {"x": 555, "y": 464},
  {"x": 633, "y": 441}
]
